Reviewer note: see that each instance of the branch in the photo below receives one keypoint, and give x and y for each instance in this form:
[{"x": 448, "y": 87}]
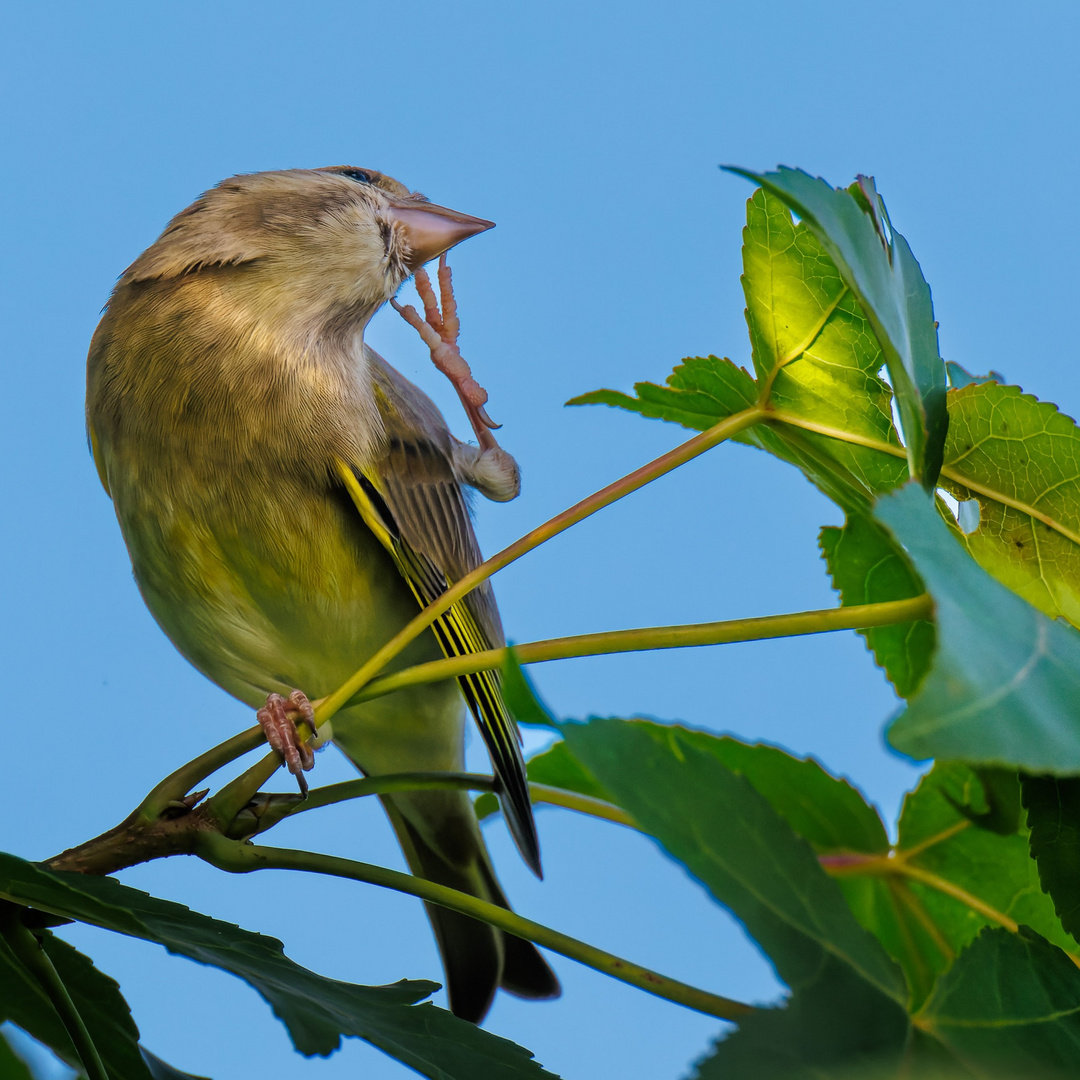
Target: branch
[{"x": 240, "y": 858}]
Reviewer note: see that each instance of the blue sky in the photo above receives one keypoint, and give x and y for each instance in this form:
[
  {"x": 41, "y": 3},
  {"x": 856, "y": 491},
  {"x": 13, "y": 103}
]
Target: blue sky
[{"x": 591, "y": 134}]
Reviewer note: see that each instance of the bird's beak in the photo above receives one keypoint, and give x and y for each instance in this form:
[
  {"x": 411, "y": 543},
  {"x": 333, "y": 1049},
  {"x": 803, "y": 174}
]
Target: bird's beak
[{"x": 431, "y": 230}]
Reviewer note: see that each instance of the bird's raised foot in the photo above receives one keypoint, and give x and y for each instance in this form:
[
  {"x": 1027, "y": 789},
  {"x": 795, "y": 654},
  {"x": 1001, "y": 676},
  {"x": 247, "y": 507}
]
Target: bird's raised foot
[
  {"x": 439, "y": 329},
  {"x": 280, "y": 719}
]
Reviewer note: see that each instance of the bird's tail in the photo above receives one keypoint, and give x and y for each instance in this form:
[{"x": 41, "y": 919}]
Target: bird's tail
[{"x": 478, "y": 959}]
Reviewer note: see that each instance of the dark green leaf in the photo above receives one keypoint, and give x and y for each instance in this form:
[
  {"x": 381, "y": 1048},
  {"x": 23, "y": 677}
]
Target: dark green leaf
[
  {"x": 1053, "y": 807},
  {"x": 1000, "y": 811},
  {"x": 877, "y": 265},
  {"x": 868, "y": 567},
  {"x": 831, "y": 1025},
  {"x": 317, "y": 1011},
  {"x": 827, "y": 811},
  {"x": 96, "y": 997},
  {"x": 1005, "y": 679},
  {"x": 161, "y": 1070},
  {"x": 12, "y": 1067},
  {"x": 1010, "y": 1004},
  {"x": 730, "y": 838}
]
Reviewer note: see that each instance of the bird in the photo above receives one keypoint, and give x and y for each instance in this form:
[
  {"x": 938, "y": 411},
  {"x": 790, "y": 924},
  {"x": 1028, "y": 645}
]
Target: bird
[{"x": 289, "y": 500}]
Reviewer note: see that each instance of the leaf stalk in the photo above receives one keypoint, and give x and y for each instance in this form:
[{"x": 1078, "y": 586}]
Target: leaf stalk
[
  {"x": 238, "y": 858},
  {"x": 690, "y": 635},
  {"x": 692, "y": 448}
]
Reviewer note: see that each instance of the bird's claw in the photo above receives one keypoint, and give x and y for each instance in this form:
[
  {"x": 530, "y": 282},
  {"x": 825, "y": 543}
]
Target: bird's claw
[
  {"x": 280, "y": 719},
  {"x": 439, "y": 330}
]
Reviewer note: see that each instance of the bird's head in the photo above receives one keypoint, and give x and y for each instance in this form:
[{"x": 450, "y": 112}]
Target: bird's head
[{"x": 324, "y": 245}]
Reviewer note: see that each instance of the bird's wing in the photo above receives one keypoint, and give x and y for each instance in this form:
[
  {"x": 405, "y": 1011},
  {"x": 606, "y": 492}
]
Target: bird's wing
[
  {"x": 412, "y": 501},
  {"x": 99, "y": 461}
]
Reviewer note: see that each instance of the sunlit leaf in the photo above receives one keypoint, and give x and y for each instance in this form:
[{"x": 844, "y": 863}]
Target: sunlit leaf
[
  {"x": 1020, "y": 458},
  {"x": 877, "y": 265},
  {"x": 946, "y": 879},
  {"x": 814, "y": 349},
  {"x": 818, "y": 361}
]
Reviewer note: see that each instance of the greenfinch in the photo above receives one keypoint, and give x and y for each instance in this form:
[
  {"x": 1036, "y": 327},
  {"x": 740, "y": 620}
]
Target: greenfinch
[{"x": 289, "y": 500}]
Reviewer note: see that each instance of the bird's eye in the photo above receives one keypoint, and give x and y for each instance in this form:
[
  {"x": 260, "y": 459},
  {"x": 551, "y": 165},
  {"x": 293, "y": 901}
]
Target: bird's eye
[{"x": 358, "y": 175}]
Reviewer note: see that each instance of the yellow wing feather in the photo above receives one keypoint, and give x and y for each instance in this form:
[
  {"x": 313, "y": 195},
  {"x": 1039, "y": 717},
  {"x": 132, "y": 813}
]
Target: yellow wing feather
[{"x": 459, "y": 634}]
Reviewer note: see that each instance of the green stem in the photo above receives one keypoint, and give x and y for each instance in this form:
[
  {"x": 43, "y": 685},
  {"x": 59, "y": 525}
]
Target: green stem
[
  {"x": 30, "y": 953},
  {"x": 582, "y": 804},
  {"x": 241, "y": 858},
  {"x": 761, "y": 628},
  {"x": 726, "y": 429},
  {"x": 382, "y": 785},
  {"x": 275, "y": 808},
  {"x": 238, "y": 792},
  {"x": 233, "y": 798},
  {"x": 177, "y": 784}
]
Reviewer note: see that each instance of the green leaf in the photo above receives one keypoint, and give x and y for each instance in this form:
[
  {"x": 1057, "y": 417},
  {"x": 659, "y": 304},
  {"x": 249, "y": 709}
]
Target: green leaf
[
  {"x": 1053, "y": 807},
  {"x": 1020, "y": 458},
  {"x": 868, "y": 567},
  {"x": 831, "y": 1025},
  {"x": 521, "y": 697},
  {"x": 96, "y": 997},
  {"x": 1000, "y": 810},
  {"x": 960, "y": 377},
  {"x": 826, "y": 810},
  {"x": 1010, "y": 1004},
  {"x": 954, "y": 858},
  {"x": 877, "y": 265},
  {"x": 12, "y": 1067},
  {"x": 815, "y": 351},
  {"x": 317, "y": 1011},
  {"x": 818, "y": 360},
  {"x": 700, "y": 392},
  {"x": 556, "y": 767},
  {"x": 1005, "y": 679},
  {"x": 161, "y": 1070},
  {"x": 847, "y": 995}
]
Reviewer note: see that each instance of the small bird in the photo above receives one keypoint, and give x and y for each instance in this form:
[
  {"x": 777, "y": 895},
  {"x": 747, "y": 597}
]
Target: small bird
[{"x": 289, "y": 500}]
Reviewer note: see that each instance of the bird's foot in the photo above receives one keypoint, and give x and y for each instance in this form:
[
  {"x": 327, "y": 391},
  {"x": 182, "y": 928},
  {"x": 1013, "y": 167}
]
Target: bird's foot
[
  {"x": 280, "y": 719},
  {"x": 439, "y": 329}
]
